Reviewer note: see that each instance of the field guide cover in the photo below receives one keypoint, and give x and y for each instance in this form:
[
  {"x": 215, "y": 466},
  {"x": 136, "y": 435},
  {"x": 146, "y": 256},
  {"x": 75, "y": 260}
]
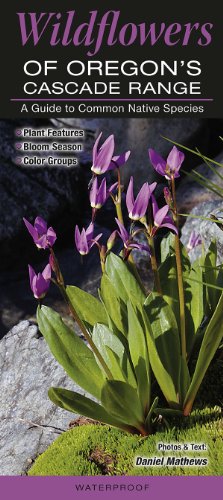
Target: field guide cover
[{"x": 111, "y": 249}]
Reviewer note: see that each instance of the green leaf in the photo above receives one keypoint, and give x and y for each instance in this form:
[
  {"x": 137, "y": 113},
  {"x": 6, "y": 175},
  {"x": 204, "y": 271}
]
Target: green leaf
[
  {"x": 184, "y": 381},
  {"x": 212, "y": 338},
  {"x": 114, "y": 306},
  {"x": 194, "y": 304},
  {"x": 122, "y": 279},
  {"x": 165, "y": 334},
  {"x": 105, "y": 340},
  {"x": 150, "y": 413},
  {"x": 169, "y": 284},
  {"x": 193, "y": 293},
  {"x": 103, "y": 337},
  {"x": 122, "y": 402},
  {"x": 76, "y": 403},
  {"x": 167, "y": 246},
  {"x": 193, "y": 151},
  {"x": 168, "y": 412},
  {"x": 70, "y": 351},
  {"x": 139, "y": 355},
  {"x": 211, "y": 275},
  {"x": 163, "y": 377},
  {"x": 114, "y": 363},
  {"x": 89, "y": 309}
]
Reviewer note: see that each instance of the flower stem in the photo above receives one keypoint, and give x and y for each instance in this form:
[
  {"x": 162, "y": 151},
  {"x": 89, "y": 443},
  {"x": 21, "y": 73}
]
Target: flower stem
[
  {"x": 118, "y": 206},
  {"x": 102, "y": 253},
  {"x": 154, "y": 264},
  {"x": 89, "y": 339},
  {"x": 118, "y": 202},
  {"x": 87, "y": 336},
  {"x": 143, "y": 431},
  {"x": 60, "y": 283},
  {"x": 179, "y": 275}
]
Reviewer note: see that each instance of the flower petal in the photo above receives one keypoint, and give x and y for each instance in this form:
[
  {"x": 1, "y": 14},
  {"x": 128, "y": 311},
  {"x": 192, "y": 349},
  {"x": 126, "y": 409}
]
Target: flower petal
[
  {"x": 152, "y": 187},
  {"x": 83, "y": 245},
  {"x": 175, "y": 159},
  {"x": 93, "y": 192},
  {"x": 95, "y": 149},
  {"x": 97, "y": 237},
  {"x": 89, "y": 231},
  {"x": 105, "y": 154},
  {"x": 41, "y": 242},
  {"x": 94, "y": 241},
  {"x": 47, "y": 272},
  {"x": 112, "y": 187},
  {"x": 155, "y": 207},
  {"x": 194, "y": 240},
  {"x": 157, "y": 161},
  {"x": 32, "y": 275},
  {"x": 35, "y": 288},
  {"x": 170, "y": 225},
  {"x": 51, "y": 236},
  {"x": 123, "y": 233},
  {"x": 31, "y": 229},
  {"x": 102, "y": 193},
  {"x": 139, "y": 246},
  {"x": 120, "y": 160},
  {"x": 41, "y": 286},
  {"x": 77, "y": 237},
  {"x": 160, "y": 215},
  {"x": 40, "y": 225},
  {"x": 141, "y": 202},
  {"x": 130, "y": 196}
]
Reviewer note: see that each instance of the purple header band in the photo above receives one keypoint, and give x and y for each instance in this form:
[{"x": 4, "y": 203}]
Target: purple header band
[{"x": 101, "y": 487}]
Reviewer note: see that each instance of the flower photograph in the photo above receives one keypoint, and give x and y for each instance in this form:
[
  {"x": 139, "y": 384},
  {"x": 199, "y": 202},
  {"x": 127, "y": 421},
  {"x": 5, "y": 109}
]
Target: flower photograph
[{"x": 112, "y": 300}]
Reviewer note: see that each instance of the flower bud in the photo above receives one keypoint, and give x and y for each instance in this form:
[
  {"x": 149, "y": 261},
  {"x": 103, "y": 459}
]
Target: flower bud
[
  {"x": 111, "y": 240},
  {"x": 52, "y": 263},
  {"x": 168, "y": 197}
]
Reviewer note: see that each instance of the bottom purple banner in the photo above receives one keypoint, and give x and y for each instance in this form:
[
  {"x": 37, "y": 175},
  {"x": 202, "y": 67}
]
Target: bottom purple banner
[{"x": 154, "y": 488}]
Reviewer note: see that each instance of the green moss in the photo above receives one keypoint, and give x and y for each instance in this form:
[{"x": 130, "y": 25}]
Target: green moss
[{"x": 101, "y": 450}]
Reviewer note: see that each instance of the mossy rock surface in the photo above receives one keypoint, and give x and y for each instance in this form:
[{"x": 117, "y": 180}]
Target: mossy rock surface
[{"x": 101, "y": 450}]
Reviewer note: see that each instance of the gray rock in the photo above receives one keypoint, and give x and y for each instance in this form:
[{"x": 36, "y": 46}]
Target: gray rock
[
  {"x": 27, "y": 370},
  {"x": 143, "y": 264},
  {"x": 190, "y": 192},
  {"x": 208, "y": 230},
  {"x": 139, "y": 134}
]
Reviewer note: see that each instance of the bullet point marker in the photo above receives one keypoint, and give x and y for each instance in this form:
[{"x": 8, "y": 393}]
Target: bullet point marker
[
  {"x": 18, "y": 145},
  {"x": 18, "y": 160},
  {"x": 18, "y": 132}
]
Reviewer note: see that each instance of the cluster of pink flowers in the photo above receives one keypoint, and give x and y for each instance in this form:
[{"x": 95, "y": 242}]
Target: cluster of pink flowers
[{"x": 104, "y": 160}]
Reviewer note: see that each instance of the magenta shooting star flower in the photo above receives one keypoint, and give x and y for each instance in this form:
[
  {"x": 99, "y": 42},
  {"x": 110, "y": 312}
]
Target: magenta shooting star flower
[
  {"x": 99, "y": 195},
  {"x": 194, "y": 241},
  {"x": 128, "y": 239},
  {"x": 161, "y": 219},
  {"x": 43, "y": 237},
  {"x": 168, "y": 168},
  {"x": 85, "y": 240},
  {"x": 40, "y": 282},
  {"x": 137, "y": 208},
  {"x": 103, "y": 159}
]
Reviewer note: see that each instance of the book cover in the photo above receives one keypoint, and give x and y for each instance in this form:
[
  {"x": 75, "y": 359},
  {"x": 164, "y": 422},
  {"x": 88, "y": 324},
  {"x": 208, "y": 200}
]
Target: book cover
[{"x": 111, "y": 267}]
